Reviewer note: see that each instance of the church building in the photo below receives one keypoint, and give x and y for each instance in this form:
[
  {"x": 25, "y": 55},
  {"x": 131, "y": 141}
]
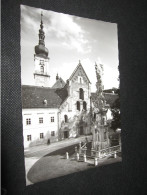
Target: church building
[{"x": 58, "y": 112}]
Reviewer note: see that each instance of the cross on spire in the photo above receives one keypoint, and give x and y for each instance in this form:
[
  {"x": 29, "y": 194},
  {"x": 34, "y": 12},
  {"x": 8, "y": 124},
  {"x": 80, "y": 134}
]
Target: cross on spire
[
  {"x": 41, "y": 25},
  {"x": 41, "y": 15}
]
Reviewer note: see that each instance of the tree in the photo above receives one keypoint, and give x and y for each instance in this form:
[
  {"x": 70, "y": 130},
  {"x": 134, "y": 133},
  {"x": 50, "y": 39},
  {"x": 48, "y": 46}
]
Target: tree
[{"x": 115, "y": 109}]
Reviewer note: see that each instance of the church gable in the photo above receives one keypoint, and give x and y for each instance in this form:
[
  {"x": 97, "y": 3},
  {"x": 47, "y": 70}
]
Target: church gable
[{"x": 79, "y": 75}]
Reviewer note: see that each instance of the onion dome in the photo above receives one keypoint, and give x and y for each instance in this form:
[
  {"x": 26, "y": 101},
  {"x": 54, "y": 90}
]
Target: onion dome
[{"x": 40, "y": 49}]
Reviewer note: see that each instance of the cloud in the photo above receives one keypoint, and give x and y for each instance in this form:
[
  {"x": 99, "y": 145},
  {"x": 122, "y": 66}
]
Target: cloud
[
  {"x": 71, "y": 35},
  {"x": 29, "y": 18},
  {"x": 65, "y": 35},
  {"x": 109, "y": 77},
  {"x": 58, "y": 26}
]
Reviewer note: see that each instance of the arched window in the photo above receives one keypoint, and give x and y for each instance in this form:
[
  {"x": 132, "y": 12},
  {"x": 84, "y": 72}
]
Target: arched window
[
  {"x": 81, "y": 94},
  {"x": 80, "y": 80},
  {"x": 42, "y": 69},
  {"x": 78, "y": 105},
  {"x": 65, "y": 118},
  {"x": 84, "y": 105}
]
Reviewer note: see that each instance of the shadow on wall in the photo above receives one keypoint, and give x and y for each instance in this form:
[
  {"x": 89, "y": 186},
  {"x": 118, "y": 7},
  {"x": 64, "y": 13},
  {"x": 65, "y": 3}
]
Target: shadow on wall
[{"x": 47, "y": 139}]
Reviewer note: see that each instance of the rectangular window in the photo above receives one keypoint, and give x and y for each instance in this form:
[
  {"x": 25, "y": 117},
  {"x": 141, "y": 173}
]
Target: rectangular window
[
  {"x": 52, "y": 119},
  {"x": 41, "y": 135},
  {"x": 42, "y": 69},
  {"x": 28, "y": 121},
  {"x": 52, "y": 133},
  {"x": 41, "y": 62},
  {"x": 29, "y": 138},
  {"x": 41, "y": 120}
]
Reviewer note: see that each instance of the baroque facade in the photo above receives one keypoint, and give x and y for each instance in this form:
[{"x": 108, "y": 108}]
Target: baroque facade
[{"x": 62, "y": 111}]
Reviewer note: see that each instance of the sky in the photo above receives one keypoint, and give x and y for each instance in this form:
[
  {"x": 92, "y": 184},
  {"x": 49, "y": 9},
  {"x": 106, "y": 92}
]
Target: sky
[{"x": 69, "y": 39}]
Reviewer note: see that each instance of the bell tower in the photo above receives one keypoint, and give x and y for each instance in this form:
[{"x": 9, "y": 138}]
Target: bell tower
[{"x": 41, "y": 60}]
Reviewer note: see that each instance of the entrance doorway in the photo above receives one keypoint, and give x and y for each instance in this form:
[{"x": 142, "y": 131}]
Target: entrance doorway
[
  {"x": 81, "y": 130},
  {"x": 66, "y": 134}
]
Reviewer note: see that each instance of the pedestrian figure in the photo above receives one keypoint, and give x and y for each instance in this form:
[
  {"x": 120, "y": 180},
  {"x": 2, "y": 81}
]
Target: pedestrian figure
[
  {"x": 48, "y": 142},
  {"x": 86, "y": 140}
]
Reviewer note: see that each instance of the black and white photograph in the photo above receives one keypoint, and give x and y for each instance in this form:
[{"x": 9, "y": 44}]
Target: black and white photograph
[{"x": 70, "y": 94}]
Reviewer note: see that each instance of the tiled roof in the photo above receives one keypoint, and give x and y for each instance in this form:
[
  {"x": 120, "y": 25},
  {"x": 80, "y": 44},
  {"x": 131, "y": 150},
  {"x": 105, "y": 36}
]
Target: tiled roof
[
  {"x": 59, "y": 83},
  {"x": 109, "y": 97},
  {"x": 33, "y": 97}
]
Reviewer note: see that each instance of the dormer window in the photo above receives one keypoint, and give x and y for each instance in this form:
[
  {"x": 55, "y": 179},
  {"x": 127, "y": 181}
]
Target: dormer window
[{"x": 45, "y": 102}]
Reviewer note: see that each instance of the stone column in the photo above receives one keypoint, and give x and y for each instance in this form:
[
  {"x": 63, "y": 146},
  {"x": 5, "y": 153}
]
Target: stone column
[
  {"x": 79, "y": 147},
  {"x": 85, "y": 158},
  {"x": 85, "y": 149},
  {"x": 67, "y": 156},
  {"x": 95, "y": 161},
  {"x": 115, "y": 154},
  {"x": 78, "y": 156}
]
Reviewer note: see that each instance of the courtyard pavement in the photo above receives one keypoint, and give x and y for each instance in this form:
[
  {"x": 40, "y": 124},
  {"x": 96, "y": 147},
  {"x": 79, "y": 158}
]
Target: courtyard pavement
[
  {"x": 48, "y": 161},
  {"x": 33, "y": 154}
]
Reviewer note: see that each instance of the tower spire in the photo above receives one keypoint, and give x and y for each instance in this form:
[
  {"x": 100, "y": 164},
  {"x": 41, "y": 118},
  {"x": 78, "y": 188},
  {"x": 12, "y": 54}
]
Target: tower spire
[
  {"x": 40, "y": 49},
  {"x": 41, "y": 25},
  {"x": 41, "y": 32},
  {"x": 41, "y": 59}
]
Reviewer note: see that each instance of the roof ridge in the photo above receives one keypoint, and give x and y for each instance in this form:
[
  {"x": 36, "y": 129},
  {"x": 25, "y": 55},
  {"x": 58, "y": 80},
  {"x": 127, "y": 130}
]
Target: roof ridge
[
  {"x": 76, "y": 70},
  {"x": 36, "y": 86}
]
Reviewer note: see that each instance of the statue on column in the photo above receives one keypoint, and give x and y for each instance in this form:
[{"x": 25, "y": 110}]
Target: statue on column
[{"x": 99, "y": 110}]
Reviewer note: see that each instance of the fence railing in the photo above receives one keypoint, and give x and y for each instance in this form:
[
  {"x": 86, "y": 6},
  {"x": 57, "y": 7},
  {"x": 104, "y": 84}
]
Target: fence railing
[
  {"x": 100, "y": 153},
  {"x": 95, "y": 154}
]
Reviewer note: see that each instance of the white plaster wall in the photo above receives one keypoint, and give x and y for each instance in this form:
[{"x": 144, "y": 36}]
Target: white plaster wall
[
  {"x": 41, "y": 80},
  {"x": 36, "y": 128}
]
